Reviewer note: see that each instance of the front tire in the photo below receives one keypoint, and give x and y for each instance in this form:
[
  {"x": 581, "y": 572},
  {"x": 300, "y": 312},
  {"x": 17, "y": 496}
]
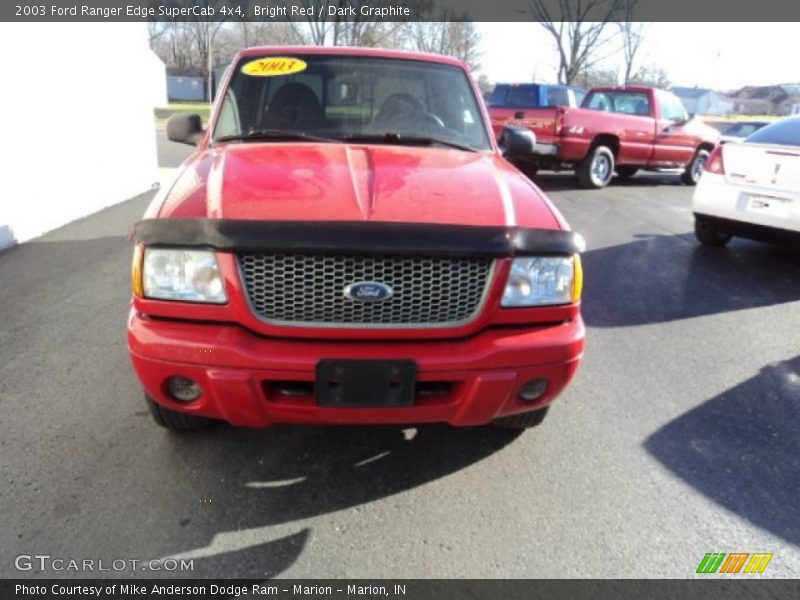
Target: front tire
[
  {"x": 709, "y": 235},
  {"x": 529, "y": 170},
  {"x": 524, "y": 420},
  {"x": 691, "y": 175},
  {"x": 176, "y": 421},
  {"x": 597, "y": 169}
]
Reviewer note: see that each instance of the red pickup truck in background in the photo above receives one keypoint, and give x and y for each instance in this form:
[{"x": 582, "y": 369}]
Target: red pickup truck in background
[
  {"x": 617, "y": 129},
  {"x": 510, "y": 102}
]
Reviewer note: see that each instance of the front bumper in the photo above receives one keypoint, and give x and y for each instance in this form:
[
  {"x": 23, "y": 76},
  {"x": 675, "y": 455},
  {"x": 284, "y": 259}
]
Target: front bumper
[
  {"x": 545, "y": 149},
  {"x": 727, "y": 205},
  {"x": 541, "y": 152},
  {"x": 236, "y": 368}
]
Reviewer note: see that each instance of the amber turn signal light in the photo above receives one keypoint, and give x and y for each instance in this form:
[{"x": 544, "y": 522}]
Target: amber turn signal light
[{"x": 136, "y": 271}]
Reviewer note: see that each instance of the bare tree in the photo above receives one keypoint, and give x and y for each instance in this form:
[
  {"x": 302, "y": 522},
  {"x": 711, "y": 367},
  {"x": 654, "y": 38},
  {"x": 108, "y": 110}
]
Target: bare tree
[
  {"x": 369, "y": 33},
  {"x": 317, "y": 26},
  {"x": 464, "y": 43},
  {"x": 451, "y": 38},
  {"x": 232, "y": 37},
  {"x": 595, "y": 76},
  {"x": 173, "y": 44},
  {"x": 156, "y": 30},
  {"x": 203, "y": 33},
  {"x": 272, "y": 34},
  {"x": 485, "y": 85},
  {"x": 331, "y": 22},
  {"x": 632, "y": 37},
  {"x": 632, "y": 34},
  {"x": 653, "y": 76},
  {"x": 579, "y": 30}
]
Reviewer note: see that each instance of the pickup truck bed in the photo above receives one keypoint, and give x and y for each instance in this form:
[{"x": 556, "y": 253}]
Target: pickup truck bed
[{"x": 518, "y": 103}]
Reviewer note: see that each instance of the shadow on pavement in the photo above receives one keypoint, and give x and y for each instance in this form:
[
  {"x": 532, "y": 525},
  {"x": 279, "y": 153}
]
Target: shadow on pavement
[
  {"x": 552, "y": 181},
  {"x": 742, "y": 449},
  {"x": 284, "y": 475},
  {"x": 142, "y": 492},
  {"x": 661, "y": 278}
]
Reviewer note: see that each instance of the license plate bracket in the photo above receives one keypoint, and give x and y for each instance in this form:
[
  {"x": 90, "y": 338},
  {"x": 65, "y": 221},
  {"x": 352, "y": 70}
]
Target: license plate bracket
[
  {"x": 365, "y": 383},
  {"x": 769, "y": 205}
]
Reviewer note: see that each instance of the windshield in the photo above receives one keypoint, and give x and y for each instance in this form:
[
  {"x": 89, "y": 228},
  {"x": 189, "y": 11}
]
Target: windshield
[
  {"x": 783, "y": 133},
  {"x": 743, "y": 129},
  {"x": 524, "y": 96},
  {"x": 528, "y": 95},
  {"x": 349, "y": 97}
]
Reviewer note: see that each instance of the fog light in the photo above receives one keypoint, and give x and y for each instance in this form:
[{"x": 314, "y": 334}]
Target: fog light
[
  {"x": 533, "y": 390},
  {"x": 184, "y": 389}
]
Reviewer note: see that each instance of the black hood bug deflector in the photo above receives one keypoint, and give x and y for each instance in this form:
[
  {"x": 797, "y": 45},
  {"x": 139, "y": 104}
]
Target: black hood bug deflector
[{"x": 334, "y": 237}]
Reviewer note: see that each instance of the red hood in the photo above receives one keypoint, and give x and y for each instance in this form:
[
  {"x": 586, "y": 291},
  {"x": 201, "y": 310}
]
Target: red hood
[{"x": 339, "y": 182}]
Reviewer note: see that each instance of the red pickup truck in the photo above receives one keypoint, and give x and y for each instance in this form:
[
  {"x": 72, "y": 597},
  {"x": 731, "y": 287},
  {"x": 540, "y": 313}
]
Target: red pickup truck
[
  {"x": 348, "y": 244},
  {"x": 617, "y": 129},
  {"x": 509, "y": 102}
]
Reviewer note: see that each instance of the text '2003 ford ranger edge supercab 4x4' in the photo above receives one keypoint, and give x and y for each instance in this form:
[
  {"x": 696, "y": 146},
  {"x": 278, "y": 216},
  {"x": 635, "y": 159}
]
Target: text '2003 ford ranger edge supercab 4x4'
[{"x": 348, "y": 244}]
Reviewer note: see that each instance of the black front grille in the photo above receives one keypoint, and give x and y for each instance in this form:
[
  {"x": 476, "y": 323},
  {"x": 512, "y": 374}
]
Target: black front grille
[{"x": 308, "y": 289}]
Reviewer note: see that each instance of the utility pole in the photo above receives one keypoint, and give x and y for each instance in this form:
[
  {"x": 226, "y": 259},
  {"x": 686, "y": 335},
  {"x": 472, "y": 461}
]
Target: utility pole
[{"x": 210, "y": 65}]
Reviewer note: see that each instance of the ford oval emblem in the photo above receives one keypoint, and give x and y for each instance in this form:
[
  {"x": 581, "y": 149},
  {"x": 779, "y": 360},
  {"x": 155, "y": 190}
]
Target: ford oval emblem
[{"x": 368, "y": 291}]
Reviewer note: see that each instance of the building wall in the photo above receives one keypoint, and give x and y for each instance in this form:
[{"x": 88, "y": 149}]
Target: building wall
[
  {"x": 749, "y": 106},
  {"x": 719, "y": 106},
  {"x": 690, "y": 104},
  {"x": 707, "y": 104},
  {"x": 77, "y": 121},
  {"x": 787, "y": 106}
]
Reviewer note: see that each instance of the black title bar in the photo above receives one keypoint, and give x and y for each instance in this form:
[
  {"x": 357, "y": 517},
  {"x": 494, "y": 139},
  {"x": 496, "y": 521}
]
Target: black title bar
[
  {"x": 397, "y": 10},
  {"x": 731, "y": 588}
]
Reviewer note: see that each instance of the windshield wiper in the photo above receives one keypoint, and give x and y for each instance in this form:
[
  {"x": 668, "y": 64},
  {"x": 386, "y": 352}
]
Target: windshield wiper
[
  {"x": 276, "y": 135},
  {"x": 401, "y": 138}
]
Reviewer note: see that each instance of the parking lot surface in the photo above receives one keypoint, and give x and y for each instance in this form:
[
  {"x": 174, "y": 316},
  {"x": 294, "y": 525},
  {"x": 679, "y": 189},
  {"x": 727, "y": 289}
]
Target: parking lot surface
[{"x": 678, "y": 437}]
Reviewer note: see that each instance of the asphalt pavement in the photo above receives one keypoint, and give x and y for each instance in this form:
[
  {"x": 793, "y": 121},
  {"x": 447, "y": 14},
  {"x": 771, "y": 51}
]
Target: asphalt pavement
[{"x": 678, "y": 437}]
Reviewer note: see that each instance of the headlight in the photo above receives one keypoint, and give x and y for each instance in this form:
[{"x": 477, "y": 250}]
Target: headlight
[
  {"x": 543, "y": 281},
  {"x": 189, "y": 275}
]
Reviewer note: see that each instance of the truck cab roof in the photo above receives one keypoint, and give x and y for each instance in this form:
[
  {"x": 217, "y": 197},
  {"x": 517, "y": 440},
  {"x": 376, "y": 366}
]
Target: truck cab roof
[{"x": 348, "y": 51}]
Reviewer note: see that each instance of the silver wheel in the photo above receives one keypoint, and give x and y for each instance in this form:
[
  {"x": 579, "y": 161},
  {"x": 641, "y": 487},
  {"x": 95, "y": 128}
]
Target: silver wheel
[
  {"x": 694, "y": 169},
  {"x": 699, "y": 164},
  {"x": 601, "y": 168},
  {"x": 596, "y": 170}
]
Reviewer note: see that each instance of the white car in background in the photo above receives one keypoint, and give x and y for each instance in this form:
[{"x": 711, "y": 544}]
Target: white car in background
[{"x": 752, "y": 189}]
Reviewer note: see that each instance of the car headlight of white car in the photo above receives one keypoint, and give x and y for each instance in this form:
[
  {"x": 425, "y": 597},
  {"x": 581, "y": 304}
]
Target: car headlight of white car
[
  {"x": 543, "y": 281},
  {"x": 180, "y": 274}
]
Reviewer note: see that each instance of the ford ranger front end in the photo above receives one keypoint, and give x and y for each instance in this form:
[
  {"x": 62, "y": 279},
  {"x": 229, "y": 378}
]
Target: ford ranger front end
[{"x": 348, "y": 244}]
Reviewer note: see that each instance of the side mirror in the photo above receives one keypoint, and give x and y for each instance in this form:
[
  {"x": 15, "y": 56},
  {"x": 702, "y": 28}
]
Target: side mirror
[
  {"x": 516, "y": 141},
  {"x": 185, "y": 129}
]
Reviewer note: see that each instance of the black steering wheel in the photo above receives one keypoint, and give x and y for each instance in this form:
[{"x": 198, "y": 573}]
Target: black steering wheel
[{"x": 403, "y": 107}]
